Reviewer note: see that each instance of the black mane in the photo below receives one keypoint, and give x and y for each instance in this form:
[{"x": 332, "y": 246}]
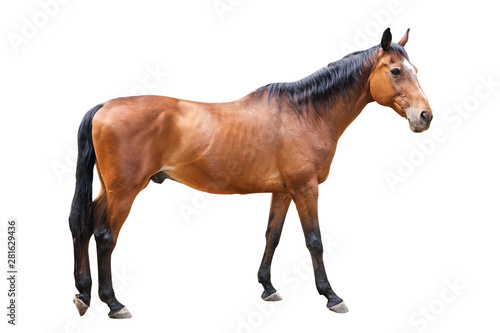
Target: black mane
[{"x": 325, "y": 85}]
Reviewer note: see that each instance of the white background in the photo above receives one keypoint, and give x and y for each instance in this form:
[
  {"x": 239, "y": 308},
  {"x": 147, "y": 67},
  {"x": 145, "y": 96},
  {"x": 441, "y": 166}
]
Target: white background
[{"x": 392, "y": 253}]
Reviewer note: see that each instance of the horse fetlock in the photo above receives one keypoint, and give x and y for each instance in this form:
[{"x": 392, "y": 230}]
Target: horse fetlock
[
  {"x": 264, "y": 276},
  {"x": 83, "y": 283},
  {"x": 107, "y": 295}
]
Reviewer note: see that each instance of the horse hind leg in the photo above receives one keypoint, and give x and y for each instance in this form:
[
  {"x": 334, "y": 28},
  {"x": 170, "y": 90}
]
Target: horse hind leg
[
  {"x": 118, "y": 204},
  {"x": 83, "y": 279}
]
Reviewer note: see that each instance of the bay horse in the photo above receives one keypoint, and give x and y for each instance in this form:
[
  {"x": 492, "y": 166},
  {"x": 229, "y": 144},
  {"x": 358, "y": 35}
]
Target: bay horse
[{"x": 281, "y": 138}]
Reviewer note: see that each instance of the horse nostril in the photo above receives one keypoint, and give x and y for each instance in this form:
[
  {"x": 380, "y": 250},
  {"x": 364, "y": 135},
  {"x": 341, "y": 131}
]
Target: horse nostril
[{"x": 425, "y": 117}]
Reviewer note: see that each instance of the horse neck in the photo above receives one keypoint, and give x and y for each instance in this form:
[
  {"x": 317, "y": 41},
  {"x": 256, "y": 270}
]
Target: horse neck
[{"x": 348, "y": 106}]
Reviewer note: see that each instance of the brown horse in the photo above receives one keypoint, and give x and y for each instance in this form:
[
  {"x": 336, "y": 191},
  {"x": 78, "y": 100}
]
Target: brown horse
[{"x": 281, "y": 139}]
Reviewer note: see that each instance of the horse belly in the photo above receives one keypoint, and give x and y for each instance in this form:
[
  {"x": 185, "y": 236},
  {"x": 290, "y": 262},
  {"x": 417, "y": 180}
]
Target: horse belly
[{"x": 248, "y": 172}]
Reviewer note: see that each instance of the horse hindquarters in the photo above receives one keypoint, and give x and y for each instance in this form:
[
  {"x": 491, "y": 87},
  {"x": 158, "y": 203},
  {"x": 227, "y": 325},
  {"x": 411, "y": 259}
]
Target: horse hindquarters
[{"x": 124, "y": 168}]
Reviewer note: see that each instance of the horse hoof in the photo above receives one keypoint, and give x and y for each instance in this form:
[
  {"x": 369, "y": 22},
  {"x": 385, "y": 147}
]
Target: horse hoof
[
  {"x": 274, "y": 297},
  {"x": 80, "y": 305},
  {"x": 122, "y": 314},
  {"x": 339, "y": 308}
]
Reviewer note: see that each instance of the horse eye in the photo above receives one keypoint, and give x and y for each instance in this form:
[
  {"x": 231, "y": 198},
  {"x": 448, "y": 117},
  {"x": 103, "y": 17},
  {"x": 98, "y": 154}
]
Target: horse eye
[{"x": 395, "y": 71}]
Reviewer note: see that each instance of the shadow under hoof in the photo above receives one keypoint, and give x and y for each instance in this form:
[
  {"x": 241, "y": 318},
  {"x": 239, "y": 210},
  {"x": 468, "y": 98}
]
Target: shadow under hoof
[
  {"x": 274, "y": 297},
  {"x": 121, "y": 314},
  {"x": 80, "y": 305},
  {"x": 339, "y": 308}
]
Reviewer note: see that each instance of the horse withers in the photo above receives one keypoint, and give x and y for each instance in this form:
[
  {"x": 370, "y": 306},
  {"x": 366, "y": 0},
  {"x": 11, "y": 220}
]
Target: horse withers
[{"x": 279, "y": 139}]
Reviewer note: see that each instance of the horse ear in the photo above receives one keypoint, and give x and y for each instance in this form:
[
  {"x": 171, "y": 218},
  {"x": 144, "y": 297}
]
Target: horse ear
[
  {"x": 386, "y": 39},
  {"x": 403, "y": 40}
]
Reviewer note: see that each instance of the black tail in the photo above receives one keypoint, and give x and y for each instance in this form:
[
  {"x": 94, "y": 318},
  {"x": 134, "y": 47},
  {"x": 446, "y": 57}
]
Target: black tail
[{"x": 80, "y": 217}]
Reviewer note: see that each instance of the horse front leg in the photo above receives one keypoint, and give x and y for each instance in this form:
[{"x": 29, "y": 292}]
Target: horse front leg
[{"x": 305, "y": 198}]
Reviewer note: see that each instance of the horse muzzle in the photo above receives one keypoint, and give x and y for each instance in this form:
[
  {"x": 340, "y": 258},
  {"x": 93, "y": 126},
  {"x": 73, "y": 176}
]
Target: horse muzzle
[{"x": 421, "y": 122}]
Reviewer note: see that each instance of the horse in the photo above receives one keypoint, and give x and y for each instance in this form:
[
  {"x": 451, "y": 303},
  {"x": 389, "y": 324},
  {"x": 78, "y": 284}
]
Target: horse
[{"x": 279, "y": 139}]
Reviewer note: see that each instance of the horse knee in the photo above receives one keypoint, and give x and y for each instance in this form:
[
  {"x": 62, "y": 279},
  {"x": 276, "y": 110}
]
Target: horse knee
[{"x": 314, "y": 244}]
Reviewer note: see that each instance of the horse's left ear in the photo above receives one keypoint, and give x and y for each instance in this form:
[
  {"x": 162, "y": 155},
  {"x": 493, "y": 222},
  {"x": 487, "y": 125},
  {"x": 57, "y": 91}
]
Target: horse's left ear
[
  {"x": 386, "y": 39},
  {"x": 403, "y": 40}
]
